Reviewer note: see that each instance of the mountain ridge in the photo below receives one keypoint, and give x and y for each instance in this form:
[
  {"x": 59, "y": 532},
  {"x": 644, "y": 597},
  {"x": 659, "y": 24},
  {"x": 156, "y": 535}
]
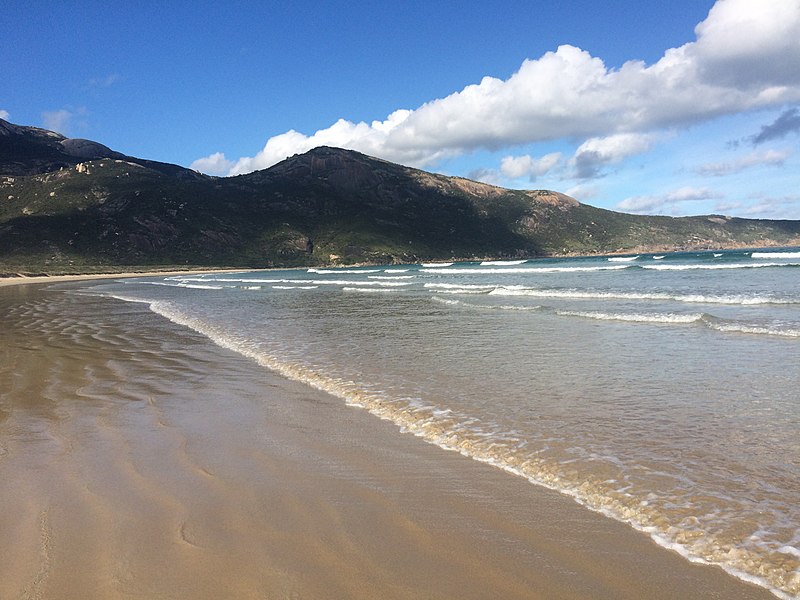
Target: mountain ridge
[{"x": 70, "y": 205}]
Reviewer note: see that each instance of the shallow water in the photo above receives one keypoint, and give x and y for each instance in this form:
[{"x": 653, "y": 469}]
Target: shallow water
[{"x": 660, "y": 391}]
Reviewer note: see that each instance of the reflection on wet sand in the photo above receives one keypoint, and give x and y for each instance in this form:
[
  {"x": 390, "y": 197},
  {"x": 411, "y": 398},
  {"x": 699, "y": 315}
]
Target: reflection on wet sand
[{"x": 138, "y": 459}]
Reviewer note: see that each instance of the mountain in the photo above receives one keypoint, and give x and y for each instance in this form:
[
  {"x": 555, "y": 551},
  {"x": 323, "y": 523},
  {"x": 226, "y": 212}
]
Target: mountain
[{"x": 76, "y": 205}]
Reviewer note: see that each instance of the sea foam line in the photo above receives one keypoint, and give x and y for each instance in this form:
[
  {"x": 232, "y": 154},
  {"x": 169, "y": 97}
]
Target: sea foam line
[
  {"x": 301, "y": 282},
  {"x": 450, "y": 302},
  {"x": 345, "y": 271},
  {"x": 634, "y": 317},
  {"x": 709, "y": 321},
  {"x": 370, "y": 290},
  {"x": 518, "y": 270},
  {"x": 623, "y": 258},
  {"x": 572, "y": 294},
  {"x": 775, "y": 255},
  {"x": 446, "y": 429},
  {"x": 716, "y": 267},
  {"x": 597, "y": 295},
  {"x": 504, "y": 263}
]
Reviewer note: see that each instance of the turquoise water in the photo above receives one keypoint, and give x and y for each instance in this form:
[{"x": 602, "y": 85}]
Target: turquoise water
[{"x": 661, "y": 390}]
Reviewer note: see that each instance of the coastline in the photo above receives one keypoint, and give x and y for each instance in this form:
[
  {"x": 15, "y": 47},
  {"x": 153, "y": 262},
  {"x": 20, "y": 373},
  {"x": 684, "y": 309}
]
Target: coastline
[
  {"x": 151, "y": 461},
  {"x": 155, "y": 272}
]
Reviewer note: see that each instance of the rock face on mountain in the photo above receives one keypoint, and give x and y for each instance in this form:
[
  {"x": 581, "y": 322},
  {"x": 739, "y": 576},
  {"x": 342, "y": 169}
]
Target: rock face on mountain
[
  {"x": 31, "y": 151},
  {"x": 76, "y": 205}
]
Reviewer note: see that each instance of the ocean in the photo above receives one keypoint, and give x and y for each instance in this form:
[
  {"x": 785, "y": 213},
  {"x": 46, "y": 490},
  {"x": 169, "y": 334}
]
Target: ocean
[{"x": 660, "y": 390}]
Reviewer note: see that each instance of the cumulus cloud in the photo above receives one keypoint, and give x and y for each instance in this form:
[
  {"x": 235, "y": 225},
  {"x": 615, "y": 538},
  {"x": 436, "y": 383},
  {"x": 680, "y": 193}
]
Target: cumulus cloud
[
  {"x": 4, "y": 114},
  {"x": 666, "y": 202},
  {"x": 746, "y": 56},
  {"x": 788, "y": 122},
  {"x": 747, "y": 44},
  {"x": 215, "y": 164},
  {"x": 754, "y": 159},
  {"x": 515, "y": 167},
  {"x": 595, "y": 153},
  {"x": 368, "y": 138}
]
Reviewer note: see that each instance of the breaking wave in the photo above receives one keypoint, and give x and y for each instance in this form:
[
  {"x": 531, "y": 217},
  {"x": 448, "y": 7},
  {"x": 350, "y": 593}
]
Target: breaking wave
[{"x": 775, "y": 255}]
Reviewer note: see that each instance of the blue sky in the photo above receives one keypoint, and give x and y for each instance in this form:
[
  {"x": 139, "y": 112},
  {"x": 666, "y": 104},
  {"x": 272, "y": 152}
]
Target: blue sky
[{"x": 685, "y": 107}]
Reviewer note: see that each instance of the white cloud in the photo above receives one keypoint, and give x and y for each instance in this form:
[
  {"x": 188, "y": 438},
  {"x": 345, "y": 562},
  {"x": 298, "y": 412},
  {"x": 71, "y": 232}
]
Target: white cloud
[
  {"x": 515, "y": 167},
  {"x": 750, "y": 44},
  {"x": 4, "y": 115},
  {"x": 215, "y": 164},
  {"x": 367, "y": 138},
  {"x": 595, "y": 153},
  {"x": 754, "y": 159},
  {"x": 727, "y": 207},
  {"x": 785, "y": 207},
  {"x": 58, "y": 120},
  {"x": 490, "y": 176},
  {"x": 746, "y": 56},
  {"x": 584, "y": 192},
  {"x": 666, "y": 202}
]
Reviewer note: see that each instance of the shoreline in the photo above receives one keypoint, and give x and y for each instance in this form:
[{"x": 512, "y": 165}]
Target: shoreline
[
  {"x": 44, "y": 278},
  {"x": 34, "y": 279},
  {"x": 195, "y": 472}
]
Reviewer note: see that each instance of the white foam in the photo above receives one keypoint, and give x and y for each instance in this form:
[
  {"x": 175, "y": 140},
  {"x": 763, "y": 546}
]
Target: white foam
[
  {"x": 789, "y": 550},
  {"x": 467, "y": 435},
  {"x": 623, "y": 258},
  {"x": 370, "y": 290},
  {"x": 197, "y": 286},
  {"x": 660, "y": 296},
  {"x": 717, "y": 267},
  {"x": 658, "y": 257},
  {"x": 346, "y": 271},
  {"x": 519, "y": 270},
  {"x": 504, "y": 263},
  {"x": 227, "y": 280},
  {"x": 295, "y": 287},
  {"x": 459, "y": 286},
  {"x": 683, "y": 318},
  {"x": 434, "y": 265},
  {"x": 350, "y": 282},
  {"x": 732, "y": 327},
  {"x": 633, "y": 317},
  {"x": 775, "y": 255},
  {"x": 483, "y": 306},
  {"x": 389, "y": 277},
  {"x": 161, "y": 283},
  {"x": 395, "y": 270}
]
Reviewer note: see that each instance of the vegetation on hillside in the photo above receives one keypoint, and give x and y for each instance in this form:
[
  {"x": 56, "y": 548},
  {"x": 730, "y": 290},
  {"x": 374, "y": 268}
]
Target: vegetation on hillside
[{"x": 76, "y": 206}]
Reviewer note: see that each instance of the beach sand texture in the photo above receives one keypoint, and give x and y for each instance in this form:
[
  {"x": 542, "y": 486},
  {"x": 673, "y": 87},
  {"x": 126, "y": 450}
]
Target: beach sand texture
[{"x": 139, "y": 460}]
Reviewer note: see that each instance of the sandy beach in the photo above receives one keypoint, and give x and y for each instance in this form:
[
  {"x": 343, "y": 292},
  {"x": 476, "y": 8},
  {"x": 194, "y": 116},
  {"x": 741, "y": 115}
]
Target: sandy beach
[{"x": 140, "y": 460}]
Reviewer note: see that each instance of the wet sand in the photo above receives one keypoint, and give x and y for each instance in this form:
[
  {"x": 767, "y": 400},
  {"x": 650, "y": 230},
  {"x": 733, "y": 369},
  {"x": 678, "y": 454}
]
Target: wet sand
[{"x": 138, "y": 459}]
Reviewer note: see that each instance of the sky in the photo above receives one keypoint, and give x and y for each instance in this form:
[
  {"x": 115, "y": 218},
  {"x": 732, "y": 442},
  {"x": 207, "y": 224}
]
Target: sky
[{"x": 675, "y": 108}]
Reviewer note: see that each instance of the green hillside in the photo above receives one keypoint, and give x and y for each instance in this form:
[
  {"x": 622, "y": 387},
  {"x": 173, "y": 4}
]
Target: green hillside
[{"x": 77, "y": 206}]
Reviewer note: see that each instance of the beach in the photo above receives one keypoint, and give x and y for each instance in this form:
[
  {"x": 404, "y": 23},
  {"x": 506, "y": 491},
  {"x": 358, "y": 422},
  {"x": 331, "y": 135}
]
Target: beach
[{"x": 139, "y": 459}]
